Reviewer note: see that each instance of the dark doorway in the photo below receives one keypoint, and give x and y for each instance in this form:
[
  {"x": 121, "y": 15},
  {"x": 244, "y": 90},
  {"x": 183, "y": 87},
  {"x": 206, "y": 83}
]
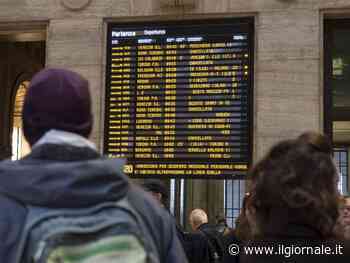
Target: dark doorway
[{"x": 22, "y": 55}]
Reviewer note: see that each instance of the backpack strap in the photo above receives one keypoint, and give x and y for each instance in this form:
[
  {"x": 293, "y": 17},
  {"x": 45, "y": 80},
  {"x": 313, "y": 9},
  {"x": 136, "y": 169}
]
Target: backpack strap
[
  {"x": 214, "y": 255},
  {"x": 148, "y": 241}
]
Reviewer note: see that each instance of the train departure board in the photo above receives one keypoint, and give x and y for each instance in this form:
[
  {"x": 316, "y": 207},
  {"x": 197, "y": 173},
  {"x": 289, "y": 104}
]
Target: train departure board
[{"x": 179, "y": 97}]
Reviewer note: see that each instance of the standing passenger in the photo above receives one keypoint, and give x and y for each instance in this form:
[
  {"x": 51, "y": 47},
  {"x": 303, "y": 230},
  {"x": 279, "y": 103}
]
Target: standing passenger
[
  {"x": 67, "y": 180},
  {"x": 195, "y": 245},
  {"x": 199, "y": 224},
  {"x": 345, "y": 217}
]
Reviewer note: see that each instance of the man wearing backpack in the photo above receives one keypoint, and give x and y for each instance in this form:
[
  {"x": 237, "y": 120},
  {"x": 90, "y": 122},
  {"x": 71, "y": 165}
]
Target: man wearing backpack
[
  {"x": 199, "y": 223},
  {"x": 66, "y": 203}
]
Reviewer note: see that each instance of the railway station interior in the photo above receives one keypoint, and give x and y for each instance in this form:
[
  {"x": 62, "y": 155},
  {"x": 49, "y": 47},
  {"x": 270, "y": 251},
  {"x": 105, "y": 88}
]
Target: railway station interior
[{"x": 295, "y": 75}]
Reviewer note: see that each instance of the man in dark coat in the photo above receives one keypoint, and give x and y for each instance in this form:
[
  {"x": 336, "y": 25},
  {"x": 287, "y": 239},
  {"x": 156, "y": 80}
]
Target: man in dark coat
[
  {"x": 195, "y": 245},
  {"x": 199, "y": 223},
  {"x": 64, "y": 170}
]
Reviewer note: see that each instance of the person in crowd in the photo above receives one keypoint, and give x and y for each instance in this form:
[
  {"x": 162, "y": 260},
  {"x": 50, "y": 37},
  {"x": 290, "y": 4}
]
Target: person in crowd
[
  {"x": 244, "y": 231},
  {"x": 199, "y": 223},
  {"x": 345, "y": 216},
  {"x": 64, "y": 169},
  {"x": 198, "y": 218},
  {"x": 293, "y": 194},
  {"x": 158, "y": 190},
  {"x": 221, "y": 225},
  {"x": 239, "y": 235},
  {"x": 194, "y": 244},
  {"x": 196, "y": 247}
]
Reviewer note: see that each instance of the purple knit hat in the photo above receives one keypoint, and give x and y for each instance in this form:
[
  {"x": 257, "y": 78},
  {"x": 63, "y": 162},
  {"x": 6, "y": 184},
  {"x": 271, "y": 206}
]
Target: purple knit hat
[{"x": 56, "y": 99}]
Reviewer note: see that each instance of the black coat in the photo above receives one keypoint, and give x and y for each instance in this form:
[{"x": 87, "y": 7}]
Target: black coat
[{"x": 196, "y": 247}]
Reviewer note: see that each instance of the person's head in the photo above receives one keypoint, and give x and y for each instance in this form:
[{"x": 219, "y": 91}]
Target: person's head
[
  {"x": 56, "y": 99},
  {"x": 221, "y": 225},
  {"x": 221, "y": 220},
  {"x": 158, "y": 190},
  {"x": 198, "y": 217},
  {"x": 342, "y": 226},
  {"x": 295, "y": 183},
  {"x": 345, "y": 211}
]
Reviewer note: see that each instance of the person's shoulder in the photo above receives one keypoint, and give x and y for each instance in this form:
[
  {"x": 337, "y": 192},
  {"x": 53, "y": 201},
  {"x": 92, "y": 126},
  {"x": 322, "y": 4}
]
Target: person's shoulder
[
  {"x": 8, "y": 164},
  {"x": 208, "y": 229},
  {"x": 10, "y": 205},
  {"x": 195, "y": 237},
  {"x": 207, "y": 226}
]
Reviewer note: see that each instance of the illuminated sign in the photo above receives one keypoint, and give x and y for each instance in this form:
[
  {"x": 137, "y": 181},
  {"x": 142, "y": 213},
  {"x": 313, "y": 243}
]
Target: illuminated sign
[{"x": 179, "y": 97}]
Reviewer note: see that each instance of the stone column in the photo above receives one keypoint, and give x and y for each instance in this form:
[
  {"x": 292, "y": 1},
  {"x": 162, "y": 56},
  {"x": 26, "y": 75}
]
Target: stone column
[{"x": 77, "y": 44}]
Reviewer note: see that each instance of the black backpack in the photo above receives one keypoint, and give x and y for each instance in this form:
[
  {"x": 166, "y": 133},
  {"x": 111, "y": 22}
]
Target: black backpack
[{"x": 215, "y": 242}]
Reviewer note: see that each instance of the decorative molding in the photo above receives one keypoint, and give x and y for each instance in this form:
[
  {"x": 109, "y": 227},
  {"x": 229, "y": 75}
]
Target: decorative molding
[
  {"x": 177, "y": 3},
  {"x": 75, "y": 5}
]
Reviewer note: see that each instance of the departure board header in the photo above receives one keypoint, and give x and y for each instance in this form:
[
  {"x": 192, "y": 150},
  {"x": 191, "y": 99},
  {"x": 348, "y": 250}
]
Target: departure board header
[{"x": 179, "y": 97}]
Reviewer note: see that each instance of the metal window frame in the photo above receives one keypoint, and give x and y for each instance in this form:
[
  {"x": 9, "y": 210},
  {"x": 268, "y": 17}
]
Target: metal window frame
[
  {"x": 330, "y": 24},
  {"x": 239, "y": 195}
]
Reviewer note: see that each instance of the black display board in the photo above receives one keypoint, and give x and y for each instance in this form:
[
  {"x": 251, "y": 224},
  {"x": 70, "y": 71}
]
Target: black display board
[{"x": 179, "y": 97}]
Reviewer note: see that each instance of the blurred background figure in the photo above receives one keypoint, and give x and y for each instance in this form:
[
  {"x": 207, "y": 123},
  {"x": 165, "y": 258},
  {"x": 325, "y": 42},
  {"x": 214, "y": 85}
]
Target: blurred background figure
[
  {"x": 344, "y": 219},
  {"x": 243, "y": 231},
  {"x": 195, "y": 245},
  {"x": 198, "y": 218},
  {"x": 158, "y": 190},
  {"x": 239, "y": 235},
  {"x": 221, "y": 225},
  {"x": 199, "y": 223}
]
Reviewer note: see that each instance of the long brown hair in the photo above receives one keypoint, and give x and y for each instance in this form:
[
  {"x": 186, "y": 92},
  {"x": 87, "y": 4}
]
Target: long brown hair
[
  {"x": 296, "y": 183},
  {"x": 243, "y": 229}
]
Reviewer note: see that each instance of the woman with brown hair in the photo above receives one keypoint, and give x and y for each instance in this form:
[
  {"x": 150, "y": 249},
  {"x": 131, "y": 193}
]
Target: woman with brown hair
[{"x": 293, "y": 192}]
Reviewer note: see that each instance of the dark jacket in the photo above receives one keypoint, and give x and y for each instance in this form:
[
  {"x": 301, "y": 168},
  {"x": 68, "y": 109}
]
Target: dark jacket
[
  {"x": 215, "y": 241},
  {"x": 196, "y": 247},
  {"x": 65, "y": 176}
]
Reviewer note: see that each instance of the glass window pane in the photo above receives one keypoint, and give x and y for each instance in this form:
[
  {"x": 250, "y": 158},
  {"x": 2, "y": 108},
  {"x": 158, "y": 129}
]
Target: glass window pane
[{"x": 235, "y": 190}]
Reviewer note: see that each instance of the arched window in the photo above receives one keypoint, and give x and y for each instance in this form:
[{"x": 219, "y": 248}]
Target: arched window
[{"x": 20, "y": 146}]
